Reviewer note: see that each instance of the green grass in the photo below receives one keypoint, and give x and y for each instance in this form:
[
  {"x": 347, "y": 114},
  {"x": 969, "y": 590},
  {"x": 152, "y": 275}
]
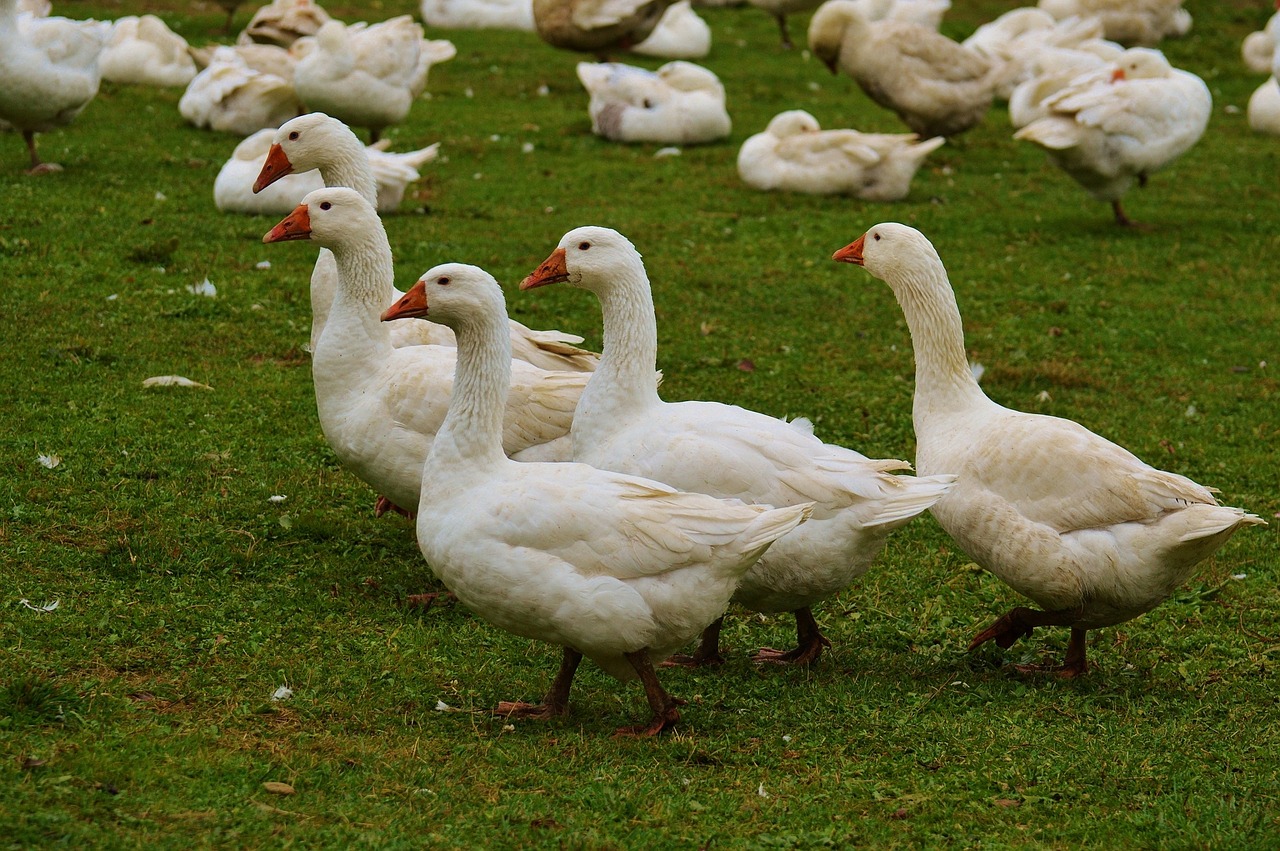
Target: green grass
[{"x": 139, "y": 712}]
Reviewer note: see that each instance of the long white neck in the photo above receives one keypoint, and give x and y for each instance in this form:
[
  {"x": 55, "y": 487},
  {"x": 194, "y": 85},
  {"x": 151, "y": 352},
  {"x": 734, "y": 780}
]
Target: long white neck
[
  {"x": 347, "y": 164},
  {"x": 354, "y": 331},
  {"x": 623, "y": 382},
  {"x": 944, "y": 381},
  {"x": 472, "y": 430}
]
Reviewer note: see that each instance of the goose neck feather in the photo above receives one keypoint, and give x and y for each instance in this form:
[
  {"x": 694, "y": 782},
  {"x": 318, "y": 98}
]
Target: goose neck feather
[
  {"x": 623, "y": 381},
  {"x": 472, "y": 430},
  {"x": 365, "y": 276}
]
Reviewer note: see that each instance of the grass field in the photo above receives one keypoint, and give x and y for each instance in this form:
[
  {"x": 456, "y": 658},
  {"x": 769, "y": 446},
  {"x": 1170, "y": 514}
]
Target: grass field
[{"x": 140, "y": 711}]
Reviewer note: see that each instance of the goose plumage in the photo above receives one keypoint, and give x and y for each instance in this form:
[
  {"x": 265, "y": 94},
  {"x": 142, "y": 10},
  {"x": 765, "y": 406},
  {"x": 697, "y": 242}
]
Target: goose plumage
[
  {"x": 726, "y": 451},
  {"x": 478, "y": 14},
  {"x": 1113, "y": 128},
  {"x": 283, "y": 22},
  {"x": 936, "y": 86},
  {"x": 1140, "y": 23},
  {"x": 1263, "y": 111},
  {"x": 1081, "y": 526},
  {"x": 618, "y": 569},
  {"x": 232, "y": 96},
  {"x": 322, "y": 142},
  {"x": 381, "y": 406},
  {"x": 794, "y": 154},
  {"x": 143, "y": 51},
  {"x": 1258, "y": 50},
  {"x": 680, "y": 34},
  {"x": 597, "y": 26},
  {"x": 679, "y": 104}
]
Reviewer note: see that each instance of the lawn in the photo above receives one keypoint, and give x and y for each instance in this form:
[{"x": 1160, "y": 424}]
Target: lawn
[{"x": 140, "y": 710}]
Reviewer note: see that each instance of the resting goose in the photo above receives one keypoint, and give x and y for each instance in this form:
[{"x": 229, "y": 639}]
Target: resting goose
[
  {"x": 231, "y": 96},
  {"x": 478, "y": 14},
  {"x": 615, "y": 568},
  {"x": 282, "y": 22},
  {"x": 1015, "y": 41},
  {"x": 621, "y": 424},
  {"x": 679, "y": 104},
  {"x": 680, "y": 34},
  {"x": 1131, "y": 22},
  {"x": 794, "y": 154},
  {"x": 1052, "y": 70},
  {"x": 1109, "y": 131},
  {"x": 319, "y": 141},
  {"x": 935, "y": 85},
  {"x": 1264, "y": 109},
  {"x": 1090, "y": 533},
  {"x": 597, "y": 26},
  {"x": 233, "y": 188},
  {"x": 381, "y": 406},
  {"x": 47, "y": 76},
  {"x": 1259, "y": 48},
  {"x": 144, "y": 51}
]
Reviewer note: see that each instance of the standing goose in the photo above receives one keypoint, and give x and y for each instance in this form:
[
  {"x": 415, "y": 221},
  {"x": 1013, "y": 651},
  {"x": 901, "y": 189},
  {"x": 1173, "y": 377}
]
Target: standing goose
[
  {"x": 621, "y": 424},
  {"x": 318, "y": 141},
  {"x": 615, "y": 568},
  {"x": 1084, "y": 528},
  {"x": 381, "y": 406}
]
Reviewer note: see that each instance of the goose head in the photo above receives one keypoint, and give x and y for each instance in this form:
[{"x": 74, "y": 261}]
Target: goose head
[
  {"x": 828, "y": 28},
  {"x": 895, "y": 253},
  {"x": 793, "y": 122},
  {"x": 588, "y": 257},
  {"x": 306, "y": 142},
  {"x": 451, "y": 294},
  {"x": 1141, "y": 63},
  {"x": 333, "y": 217}
]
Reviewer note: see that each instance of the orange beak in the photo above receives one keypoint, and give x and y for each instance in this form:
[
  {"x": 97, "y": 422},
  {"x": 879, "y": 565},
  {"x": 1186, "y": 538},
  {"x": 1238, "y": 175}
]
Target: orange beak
[
  {"x": 276, "y": 167},
  {"x": 1117, "y": 75},
  {"x": 851, "y": 253},
  {"x": 412, "y": 304},
  {"x": 296, "y": 225},
  {"x": 552, "y": 271}
]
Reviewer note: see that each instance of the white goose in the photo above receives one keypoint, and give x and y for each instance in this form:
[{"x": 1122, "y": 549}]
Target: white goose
[
  {"x": 381, "y": 406},
  {"x": 478, "y": 14},
  {"x": 1130, "y": 22},
  {"x": 1264, "y": 109},
  {"x": 230, "y": 96},
  {"x": 1112, "y": 130},
  {"x": 47, "y": 77},
  {"x": 679, "y": 104},
  {"x": 615, "y": 568},
  {"x": 621, "y": 424},
  {"x": 936, "y": 86},
  {"x": 144, "y": 51},
  {"x": 680, "y": 34},
  {"x": 282, "y": 22},
  {"x": 1258, "y": 49},
  {"x": 1089, "y": 532},
  {"x": 368, "y": 75},
  {"x": 233, "y": 188},
  {"x": 597, "y": 26},
  {"x": 1052, "y": 70},
  {"x": 1016, "y": 41},
  {"x": 794, "y": 154},
  {"x": 319, "y": 141}
]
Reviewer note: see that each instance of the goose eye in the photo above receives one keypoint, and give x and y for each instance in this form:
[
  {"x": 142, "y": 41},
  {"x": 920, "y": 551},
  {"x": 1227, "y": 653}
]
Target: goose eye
[
  {"x": 876, "y": 237},
  {"x": 583, "y": 246},
  {"x": 444, "y": 282},
  {"x": 293, "y": 136},
  {"x": 324, "y": 205}
]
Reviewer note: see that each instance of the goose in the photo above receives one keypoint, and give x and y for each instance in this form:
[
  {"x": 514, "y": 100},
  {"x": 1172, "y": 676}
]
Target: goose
[
  {"x": 597, "y": 26},
  {"x": 144, "y": 51},
  {"x": 1263, "y": 111},
  {"x": 622, "y": 424},
  {"x": 478, "y": 14},
  {"x": 615, "y": 568},
  {"x": 368, "y": 76},
  {"x": 1259, "y": 48},
  {"x": 263, "y": 58},
  {"x": 232, "y": 189},
  {"x": 48, "y": 74},
  {"x": 679, "y": 104},
  {"x": 794, "y": 154},
  {"x": 319, "y": 141},
  {"x": 230, "y": 96},
  {"x": 381, "y": 406},
  {"x": 1109, "y": 131},
  {"x": 779, "y": 9},
  {"x": 1081, "y": 526},
  {"x": 680, "y": 34},
  {"x": 1141, "y": 23},
  {"x": 1016, "y": 41},
  {"x": 926, "y": 13},
  {"x": 282, "y": 22},
  {"x": 1055, "y": 68},
  {"x": 935, "y": 85}
]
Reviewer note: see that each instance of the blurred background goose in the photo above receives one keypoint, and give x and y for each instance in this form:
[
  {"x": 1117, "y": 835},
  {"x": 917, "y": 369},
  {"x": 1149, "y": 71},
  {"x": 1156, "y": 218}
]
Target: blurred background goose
[
  {"x": 680, "y": 103},
  {"x": 680, "y": 34},
  {"x": 143, "y": 51},
  {"x": 282, "y": 22},
  {"x": 597, "y": 26},
  {"x": 1141, "y": 23},
  {"x": 230, "y": 96}
]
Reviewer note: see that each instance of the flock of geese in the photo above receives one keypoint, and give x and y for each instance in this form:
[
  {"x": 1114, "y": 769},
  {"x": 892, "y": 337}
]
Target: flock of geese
[{"x": 560, "y": 498}]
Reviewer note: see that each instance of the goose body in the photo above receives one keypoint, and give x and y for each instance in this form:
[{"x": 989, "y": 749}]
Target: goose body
[
  {"x": 321, "y": 142},
  {"x": 1109, "y": 130},
  {"x": 1018, "y": 39},
  {"x": 144, "y": 51},
  {"x": 614, "y": 568},
  {"x": 936, "y": 86},
  {"x": 233, "y": 188},
  {"x": 381, "y": 406},
  {"x": 679, "y": 104},
  {"x": 1264, "y": 109},
  {"x": 282, "y": 22},
  {"x": 1081, "y": 526},
  {"x": 794, "y": 154},
  {"x": 231, "y": 96},
  {"x": 478, "y": 14},
  {"x": 368, "y": 75},
  {"x": 1143, "y": 23},
  {"x": 1258, "y": 50},
  {"x": 597, "y": 26},
  {"x": 726, "y": 451},
  {"x": 48, "y": 73},
  {"x": 1052, "y": 70},
  {"x": 680, "y": 34}
]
